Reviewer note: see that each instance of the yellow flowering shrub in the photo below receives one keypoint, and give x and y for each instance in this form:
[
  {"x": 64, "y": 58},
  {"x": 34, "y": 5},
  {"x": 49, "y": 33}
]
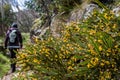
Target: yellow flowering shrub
[
  {"x": 88, "y": 50},
  {"x": 102, "y": 32}
]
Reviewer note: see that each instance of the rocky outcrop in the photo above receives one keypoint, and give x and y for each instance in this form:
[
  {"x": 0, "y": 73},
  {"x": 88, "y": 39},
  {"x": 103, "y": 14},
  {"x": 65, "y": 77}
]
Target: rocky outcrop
[
  {"x": 82, "y": 12},
  {"x": 77, "y": 14},
  {"x": 116, "y": 10}
]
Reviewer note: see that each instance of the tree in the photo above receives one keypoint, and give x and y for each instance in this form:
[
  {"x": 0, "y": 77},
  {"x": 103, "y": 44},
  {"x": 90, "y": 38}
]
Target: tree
[{"x": 6, "y": 16}]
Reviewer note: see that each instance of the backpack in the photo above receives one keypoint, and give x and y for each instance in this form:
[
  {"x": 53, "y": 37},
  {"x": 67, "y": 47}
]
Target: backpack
[{"x": 12, "y": 36}]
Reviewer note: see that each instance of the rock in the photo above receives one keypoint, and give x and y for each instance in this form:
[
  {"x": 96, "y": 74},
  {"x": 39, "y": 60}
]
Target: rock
[
  {"x": 76, "y": 15},
  {"x": 116, "y": 10}
]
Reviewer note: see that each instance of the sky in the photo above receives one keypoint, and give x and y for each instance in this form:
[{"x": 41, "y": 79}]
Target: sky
[{"x": 20, "y": 4}]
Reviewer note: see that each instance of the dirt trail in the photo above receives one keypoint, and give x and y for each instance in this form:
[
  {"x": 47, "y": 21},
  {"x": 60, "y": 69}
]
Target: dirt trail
[{"x": 7, "y": 77}]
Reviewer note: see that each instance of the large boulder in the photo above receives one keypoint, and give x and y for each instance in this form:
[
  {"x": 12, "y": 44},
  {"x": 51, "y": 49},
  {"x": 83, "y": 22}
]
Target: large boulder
[{"x": 77, "y": 14}]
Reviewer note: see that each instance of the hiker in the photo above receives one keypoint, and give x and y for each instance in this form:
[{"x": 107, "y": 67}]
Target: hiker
[{"x": 13, "y": 42}]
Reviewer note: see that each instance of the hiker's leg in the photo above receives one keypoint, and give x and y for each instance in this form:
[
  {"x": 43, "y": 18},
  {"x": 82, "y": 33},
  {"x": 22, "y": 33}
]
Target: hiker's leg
[{"x": 13, "y": 56}]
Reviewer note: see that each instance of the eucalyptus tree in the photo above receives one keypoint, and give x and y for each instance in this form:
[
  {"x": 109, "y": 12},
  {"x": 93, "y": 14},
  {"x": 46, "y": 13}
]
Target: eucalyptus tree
[
  {"x": 47, "y": 9},
  {"x": 5, "y": 15}
]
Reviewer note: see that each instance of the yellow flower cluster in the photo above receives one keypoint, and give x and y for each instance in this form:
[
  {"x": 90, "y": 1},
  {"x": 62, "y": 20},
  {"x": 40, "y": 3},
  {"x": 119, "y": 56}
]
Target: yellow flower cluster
[{"x": 81, "y": 49}]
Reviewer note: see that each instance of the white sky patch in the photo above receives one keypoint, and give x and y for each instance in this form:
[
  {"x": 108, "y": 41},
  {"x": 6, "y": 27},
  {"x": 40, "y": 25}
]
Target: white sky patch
[{"x": 20, "y": 4}]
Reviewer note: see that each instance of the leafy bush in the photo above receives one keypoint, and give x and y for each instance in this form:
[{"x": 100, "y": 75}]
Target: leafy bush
[
  {"x": 4, "y": 67},
  {"x": 51, "y": 5},
  {"x": 85, "y": 50},
  {"x": 102, "y": 32}
]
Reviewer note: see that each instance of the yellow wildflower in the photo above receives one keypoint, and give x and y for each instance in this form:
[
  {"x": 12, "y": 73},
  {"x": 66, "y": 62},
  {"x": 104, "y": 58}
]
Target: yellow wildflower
[
  {"x": 116, "y": 46},
  {"x": 113, "y": 65},
  {"x": 102, "y": 64},
  {"x": 74, "y": 59},
  {"x": 90, "y": 46},
  {"x": 105, "y": 15},
  {"x": 107, "y": 54},
  {"x": 94, "y": 61},
  {"x": 36, "y": 39},
  {"x": 65, "y": 40},
  {"x": 109, "y": 50},
  {"x": 100, "y": 41},
  {"x": 70, "y": 68},
  {"x": 100, "y": 48},
  {"x": 89, "y": 65},
  {"x": 56, "y": 56},
  {"x": 35, "y": 60},
  {"x": 107, "y": 29},
  {"x": 69, "y": 62},
  {"x": 107, "y": 62},
  {"x": 93, "y": 52},
  {"x": 108, "y": 75},
  {"x": 114, "y": 26},
  {"x": 102, "y": 78},
  {"x": 92, "y": 32}
]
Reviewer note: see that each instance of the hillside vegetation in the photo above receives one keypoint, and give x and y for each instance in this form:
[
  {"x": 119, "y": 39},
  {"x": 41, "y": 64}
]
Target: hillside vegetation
[
  {"x": 70, "y": 44},
  {"x": 85, "y": 49}
]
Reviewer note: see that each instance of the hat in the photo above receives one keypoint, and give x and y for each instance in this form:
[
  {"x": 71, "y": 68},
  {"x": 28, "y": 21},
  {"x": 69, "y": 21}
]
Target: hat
[{"x": 14, "y": 25}]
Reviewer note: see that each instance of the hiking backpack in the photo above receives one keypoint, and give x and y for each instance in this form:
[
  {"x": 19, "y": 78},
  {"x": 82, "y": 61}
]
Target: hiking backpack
[{"x": 12, "y": 36}]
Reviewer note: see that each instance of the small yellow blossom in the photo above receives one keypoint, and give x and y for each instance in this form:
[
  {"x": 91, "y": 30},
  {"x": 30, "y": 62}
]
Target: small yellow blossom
[
  {"x": 70, "y": 68},
  {"x": 108, "y": 75},
  {"x": 105, "y": 15},
  {"x": 107, "y": 29},
  {"x": 93, "y": 52},
  {"x": 35, "y": 60},
  {"x": 36, "y": 39},
  {"x": 107, "y": 62},
  {"x": 109, "y": 50},
  {"x": 92, "y": 32},
  {"x": 113, "y": 65},
  {"x": 107, "y": 54},
  {"x": 74, "y": 59},
  {"x": 100, "y": 48},
  {"x": 102, "y": 64},
  {"x": 114, "y": 26},
  {"x": 89, "y": 65},
  {"x": 100, "y": 41},
  {"x": 90, "y": 46},
  {"x": 56, "y": 56},
  {"x": 94, "y": 61},
  {"x": 116, "y": 46},
  {"x": 102, "y": 78}
]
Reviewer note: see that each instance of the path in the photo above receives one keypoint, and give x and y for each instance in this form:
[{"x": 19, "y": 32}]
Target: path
[{"x": 7, "y": 77}]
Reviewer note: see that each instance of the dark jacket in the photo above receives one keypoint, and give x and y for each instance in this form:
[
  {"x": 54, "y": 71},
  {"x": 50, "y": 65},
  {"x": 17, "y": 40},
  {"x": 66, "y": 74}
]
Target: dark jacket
[{"x": 18, "y": 39}]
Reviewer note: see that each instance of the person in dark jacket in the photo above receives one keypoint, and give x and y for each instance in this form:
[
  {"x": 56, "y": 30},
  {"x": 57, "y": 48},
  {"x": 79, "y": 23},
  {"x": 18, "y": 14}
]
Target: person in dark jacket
[{"x": 13, "y": 46}]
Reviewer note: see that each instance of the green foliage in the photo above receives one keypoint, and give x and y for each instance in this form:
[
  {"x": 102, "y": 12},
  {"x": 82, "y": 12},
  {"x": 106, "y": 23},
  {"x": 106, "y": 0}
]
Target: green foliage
[
  {"x": 4, "y": 67},
  {"x": 7, "y": 15},
  {"x": 51, "y": 5},
  {"x": 88, "y": 50},
  {"x": 66, "y": 5},
  {"x": 103, "y": 46},
  {"x": 6, "y": 18},
  {"x": 25, "y": 37}
]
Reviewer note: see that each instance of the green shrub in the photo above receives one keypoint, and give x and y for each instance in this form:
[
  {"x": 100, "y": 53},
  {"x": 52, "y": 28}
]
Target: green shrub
[
  {"x": 87, "y": 50},
  {"x": 4, "y": 67},
  {"x": 102, "y": 32}
]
